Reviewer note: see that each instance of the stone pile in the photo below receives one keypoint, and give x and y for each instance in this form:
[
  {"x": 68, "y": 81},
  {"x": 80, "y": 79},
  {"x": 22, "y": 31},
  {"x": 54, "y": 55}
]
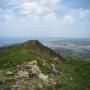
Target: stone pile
[{"x": 31, "y": 69}]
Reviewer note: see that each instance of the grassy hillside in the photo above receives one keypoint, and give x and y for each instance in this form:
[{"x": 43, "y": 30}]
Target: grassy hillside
[
  {"x": 33, "y": 49},
  {"x": 72, "y": 74}
]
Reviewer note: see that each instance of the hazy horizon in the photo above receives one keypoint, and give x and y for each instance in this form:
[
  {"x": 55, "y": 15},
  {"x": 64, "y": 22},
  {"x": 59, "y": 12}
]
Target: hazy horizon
[{"x": 16, "y": 40}]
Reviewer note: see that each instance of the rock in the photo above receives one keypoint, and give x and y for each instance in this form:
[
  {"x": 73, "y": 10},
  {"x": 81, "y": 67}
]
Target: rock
[
  {"x": 43, "y": 77},
  {"x": 40, "y": 85},
  {"x": 56, "y": 60},
  {"x": 53, "y": 70},
  {"x": 32, "y": 63},
  {"x": 52, "y": 82},
  {"x": 9, "y": 73},
  {"x": 45, "y": 63},
  {"x": 18, "y": 67},
  {"x": 35, "y": 70},
  {"x": 23, "y": 74},
  {"x": 15, "y": 87}
]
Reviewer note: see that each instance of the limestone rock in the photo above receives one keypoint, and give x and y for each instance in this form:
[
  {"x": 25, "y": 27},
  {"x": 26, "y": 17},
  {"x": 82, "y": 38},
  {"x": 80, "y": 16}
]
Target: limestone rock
[
  {"x": 43, "y": 77},
  {"x": 9, "y": 73},
  {"x": 23, "y": 74}
]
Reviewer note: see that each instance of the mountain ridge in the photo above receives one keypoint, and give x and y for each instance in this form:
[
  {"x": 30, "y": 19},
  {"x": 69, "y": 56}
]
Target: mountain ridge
[
  {"x": 36, "y": 47},
  {"x": 29, "y": 50}
]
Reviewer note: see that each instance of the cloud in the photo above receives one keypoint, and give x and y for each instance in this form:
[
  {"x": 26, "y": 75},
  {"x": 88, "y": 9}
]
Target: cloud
[
  {"x": 42, "y": 10},
  {"x": 27, "y": 9},
  {"x": 33, "y": 8},
  {"x": 50, "y": 3},
  {"x": 68, "y": 19},
  {"x": 84, "y": 13},
  {"x": 50, "y": 17},
  {"x": 7, "y": 15},
  {"x": 77, "y": 16},
  {"x": 54, "y": 2},
  {"x": 1, "y": 11}
]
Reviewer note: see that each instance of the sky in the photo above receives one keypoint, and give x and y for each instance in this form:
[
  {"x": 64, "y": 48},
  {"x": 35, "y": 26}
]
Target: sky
[{"x": 45, "y": 18}]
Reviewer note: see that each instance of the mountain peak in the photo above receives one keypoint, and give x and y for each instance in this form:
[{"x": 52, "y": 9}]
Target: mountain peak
[
  {"x": 35, "y": 47},
  {"x": 33, "y": 42}
]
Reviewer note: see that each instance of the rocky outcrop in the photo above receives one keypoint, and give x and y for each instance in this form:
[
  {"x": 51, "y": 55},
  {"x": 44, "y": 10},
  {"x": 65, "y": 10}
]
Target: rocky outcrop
[
  {"x": 23, "y": 74},
  {"x": 43, "y": 77},
  {"x": 31, "y": 69}
]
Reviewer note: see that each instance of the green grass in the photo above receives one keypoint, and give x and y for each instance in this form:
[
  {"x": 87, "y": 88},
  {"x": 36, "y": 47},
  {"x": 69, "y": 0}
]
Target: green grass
[
  {"x": 13, "y": 55},
  {"x": 72, "y": 74}
]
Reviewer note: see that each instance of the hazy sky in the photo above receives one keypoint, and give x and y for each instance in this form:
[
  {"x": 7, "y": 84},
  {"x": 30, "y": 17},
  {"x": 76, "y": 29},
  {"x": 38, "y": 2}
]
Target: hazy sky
[{"x": 45, "y": 18}]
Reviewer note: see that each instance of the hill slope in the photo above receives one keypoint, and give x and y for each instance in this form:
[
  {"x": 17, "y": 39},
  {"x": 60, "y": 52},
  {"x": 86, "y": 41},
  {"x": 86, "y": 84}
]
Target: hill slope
[
  {"x": 33, "y": 49},
  {"x": 72, "y": 74}
]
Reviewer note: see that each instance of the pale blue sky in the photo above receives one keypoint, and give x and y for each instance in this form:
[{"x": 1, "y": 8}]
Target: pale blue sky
[{"x": 45, "y": 18}]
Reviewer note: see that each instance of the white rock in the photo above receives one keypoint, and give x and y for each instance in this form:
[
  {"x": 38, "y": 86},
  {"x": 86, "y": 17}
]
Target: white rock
[
  {"x": 24, "y": 74},
  {"x": 9, "y": 73},
  {"x": 35, "y": 70},
  {"x": 32, "y": 63},
  {"x": 43, "y": 77}
]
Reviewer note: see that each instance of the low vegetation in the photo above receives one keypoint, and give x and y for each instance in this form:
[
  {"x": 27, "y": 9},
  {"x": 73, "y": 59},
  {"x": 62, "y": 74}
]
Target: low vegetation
[{"x": 71, "y": 75}]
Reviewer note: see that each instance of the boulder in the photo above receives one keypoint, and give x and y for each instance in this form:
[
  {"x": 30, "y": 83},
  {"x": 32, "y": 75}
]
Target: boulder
[
  {"x": 34, "y": 62},
  {"x": 9, "y": 73},
  {"x": 35, "y": 70},
  {"x": 43, "y": 77},
  {"x": 23, "y": 74},
  {"x": 53, "y": 70}
]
